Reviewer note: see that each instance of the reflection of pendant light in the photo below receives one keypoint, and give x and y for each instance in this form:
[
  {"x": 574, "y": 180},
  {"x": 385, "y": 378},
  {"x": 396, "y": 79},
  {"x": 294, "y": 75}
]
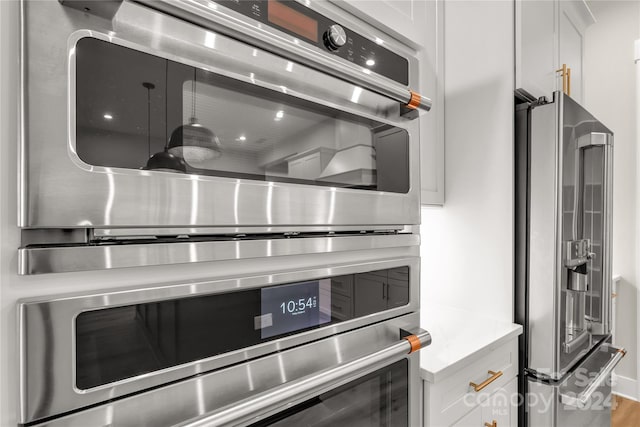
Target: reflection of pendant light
[
  {"x": 193, "y": 141},
  {"x": 162, "y": 161}
]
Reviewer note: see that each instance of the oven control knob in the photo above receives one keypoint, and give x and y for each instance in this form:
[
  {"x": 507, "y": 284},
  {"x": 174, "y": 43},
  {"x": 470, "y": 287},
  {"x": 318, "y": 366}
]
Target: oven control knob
[{"x": 335, "y": 37}]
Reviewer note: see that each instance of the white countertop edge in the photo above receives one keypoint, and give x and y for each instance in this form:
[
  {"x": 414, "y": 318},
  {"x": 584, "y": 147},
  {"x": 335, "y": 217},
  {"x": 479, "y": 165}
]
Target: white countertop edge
[{"x": 513, "y": 331}]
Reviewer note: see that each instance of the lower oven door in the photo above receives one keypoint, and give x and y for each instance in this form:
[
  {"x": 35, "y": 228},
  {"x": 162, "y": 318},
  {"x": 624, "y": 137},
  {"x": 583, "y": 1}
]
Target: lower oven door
[
  {"x": 380, "y": 398},
  {"x": 367, "y": 377}
]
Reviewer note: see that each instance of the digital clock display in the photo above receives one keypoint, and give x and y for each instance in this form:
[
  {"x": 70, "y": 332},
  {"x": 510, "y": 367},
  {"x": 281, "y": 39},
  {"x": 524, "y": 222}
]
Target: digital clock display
[
  {"x": 286, "y": 17},
  {"x": 294, "y": 307}
]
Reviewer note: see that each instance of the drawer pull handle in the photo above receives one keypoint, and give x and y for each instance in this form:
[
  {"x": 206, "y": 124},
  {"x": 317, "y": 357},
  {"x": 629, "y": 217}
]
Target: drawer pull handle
[
  {"x": 494, "y": 376},
  {"x": 493, "y": 424}
]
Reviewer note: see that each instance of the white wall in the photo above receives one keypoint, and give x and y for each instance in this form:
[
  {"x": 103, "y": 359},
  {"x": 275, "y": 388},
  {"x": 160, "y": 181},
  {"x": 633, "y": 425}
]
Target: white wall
[
  {"x": 467, "y": 245},
  {"x": 610, "y": 95}
]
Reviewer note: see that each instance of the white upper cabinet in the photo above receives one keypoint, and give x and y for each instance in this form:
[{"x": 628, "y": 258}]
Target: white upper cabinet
[
  {"x": 548, "y": 35},
  {"x": 535, "y": 47},
  {"x": 404, "y": 18},
  {"x": 573, "y": 19},
  {"x": 418, "y": 24}
]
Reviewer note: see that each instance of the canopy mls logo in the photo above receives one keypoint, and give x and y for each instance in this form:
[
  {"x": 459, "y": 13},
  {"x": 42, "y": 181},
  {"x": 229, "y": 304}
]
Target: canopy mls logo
[{"x": 571, "y": 397}]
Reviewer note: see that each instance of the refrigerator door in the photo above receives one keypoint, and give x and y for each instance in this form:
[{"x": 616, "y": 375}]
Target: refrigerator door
[
  {"x": 582, "y": 399},
  {"x": 569, "y": 258},
  {"x": 585, "y": 275},
  {"x": 597, "y": 179}
]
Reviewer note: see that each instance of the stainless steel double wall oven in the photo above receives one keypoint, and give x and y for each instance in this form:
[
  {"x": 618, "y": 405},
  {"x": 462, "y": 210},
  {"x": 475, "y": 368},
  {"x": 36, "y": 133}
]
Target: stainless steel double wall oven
[{"x": 276, "y": 136}]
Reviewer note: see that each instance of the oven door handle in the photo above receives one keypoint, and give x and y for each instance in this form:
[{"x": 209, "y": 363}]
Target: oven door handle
[
  {"x": 200, "y": 12},
  {"x": 269, "y": 402}
]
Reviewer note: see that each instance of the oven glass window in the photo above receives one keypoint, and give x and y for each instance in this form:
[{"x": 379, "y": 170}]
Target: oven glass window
[
  {"x": 378, "y": 399},
  {"x": 139, "y": 111},
  {"x": 122, "y": 342}
]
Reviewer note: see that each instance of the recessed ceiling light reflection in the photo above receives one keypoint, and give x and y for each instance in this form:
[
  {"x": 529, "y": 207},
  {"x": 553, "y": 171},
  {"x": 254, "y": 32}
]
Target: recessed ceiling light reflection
[
  {"x": 210, "y": 40},
  {"x": 379, "y": 41},
  {"x": 355, "y": 97},
  {"x": 279, "y": 116},
  {"x": 370, "y": 62},
  {"x": 108, "y": 116},
  {"x": 289, "y": 66},
  {"x": 241, "y": 138}
]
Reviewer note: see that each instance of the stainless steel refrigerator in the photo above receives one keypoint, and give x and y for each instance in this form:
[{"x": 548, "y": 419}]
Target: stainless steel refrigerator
[{"x": 564, "y": 160}]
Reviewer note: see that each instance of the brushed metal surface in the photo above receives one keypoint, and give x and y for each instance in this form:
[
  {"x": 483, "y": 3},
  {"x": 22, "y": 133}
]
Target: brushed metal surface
[
  {"x": 582, "y": 399},
  {"x": 60, "y": 259},
  {"x": 58, "y": 190},
  {"x": 271, "y": 401},
  {"x": 215, "y": 18},
  {"x": 556, "y": 129},
  {"x": 574, "y": 392},
  {"x": 204, "y": 394},
  {"x": 213, "y": 231},
  {"x": 604, "y": 326},
  {"x": 543, "y": 301},
  {"x": 47, "y": 336}
]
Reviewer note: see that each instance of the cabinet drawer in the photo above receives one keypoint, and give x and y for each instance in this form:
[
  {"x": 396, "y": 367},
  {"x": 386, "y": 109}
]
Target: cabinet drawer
[
  {"x": 448, "y": 400},
  {"x": 342, "y": 285},
  {"x": 341, "y": 307}
]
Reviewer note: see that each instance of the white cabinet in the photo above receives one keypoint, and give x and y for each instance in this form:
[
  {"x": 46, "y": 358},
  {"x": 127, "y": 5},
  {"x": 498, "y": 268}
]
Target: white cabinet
[
  {"x": 453, "y": 401},
  {"x": 472, "y": 419},
  {"x": 573, "y": 19},
  {"x": 400, "y": 18},
  {"x": 500, "y": 409},
  {"x": 536, "y": 47},
  {"x": 492, "y": 413},
  {"x": 309, "y": 165},
  {"x": 548, "y": 35},
  {"x": 496, "y": 411}
]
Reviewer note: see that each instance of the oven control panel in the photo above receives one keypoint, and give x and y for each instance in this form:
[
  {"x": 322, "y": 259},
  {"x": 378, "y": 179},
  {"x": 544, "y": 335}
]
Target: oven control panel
[{"x": 311, "y": 27}]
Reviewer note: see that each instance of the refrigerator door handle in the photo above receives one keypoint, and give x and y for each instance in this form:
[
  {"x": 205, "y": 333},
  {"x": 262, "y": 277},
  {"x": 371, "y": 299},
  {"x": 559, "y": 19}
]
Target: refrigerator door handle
[{"x": 581, "y": 400}]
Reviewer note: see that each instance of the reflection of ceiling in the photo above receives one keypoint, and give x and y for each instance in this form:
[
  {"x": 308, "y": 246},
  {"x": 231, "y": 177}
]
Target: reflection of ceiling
[
  {"x": 109, "y": 80},
  {"x": 230, "y": 115}
]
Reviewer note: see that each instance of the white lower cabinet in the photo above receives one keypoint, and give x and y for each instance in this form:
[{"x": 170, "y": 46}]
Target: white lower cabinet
[
  {"x": 454, "y": 402},
  {"x": 500, "y": 409}
]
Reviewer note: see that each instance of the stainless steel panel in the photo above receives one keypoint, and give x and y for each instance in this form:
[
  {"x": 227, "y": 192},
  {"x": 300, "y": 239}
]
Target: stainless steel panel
[
  {"x": 574, "y": 391},
  {"x": 581, "y": 399},
  {"x": 542, "y": 402},
  {"x": 40, "y": 260},
  {"x": 61, "y": 191},
  {"x": 47, "y": 336},
  {"x": 203, "y": 395},
  {"x": 128, "y": 233},
  {"x": 217, "y": 18},
  {"x": 272, "y": 401},
  {"x": 544, "y": 324},
  {"x": 603, "y": 327},
  {"x": 556, "y": 306}
]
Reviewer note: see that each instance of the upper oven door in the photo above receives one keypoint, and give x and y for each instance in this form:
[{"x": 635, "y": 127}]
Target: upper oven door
[{"x": 116, "y": 112}]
